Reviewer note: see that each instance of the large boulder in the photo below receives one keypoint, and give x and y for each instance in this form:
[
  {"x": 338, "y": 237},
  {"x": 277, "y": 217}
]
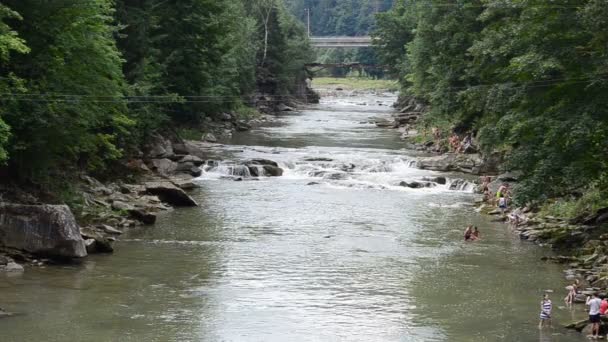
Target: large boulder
[
  {"x": 48, "y": 230},
  {"x": 262, "y": 162},
  {"x": 272, "y": 171},
  {"x": 159, "y": 147},
  {"x": 170, "y": 194},
  {"x": 163, "y": 166}
]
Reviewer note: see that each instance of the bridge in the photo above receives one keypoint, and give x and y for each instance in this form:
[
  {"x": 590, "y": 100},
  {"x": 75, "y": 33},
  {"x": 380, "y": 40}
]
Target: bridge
[
  {"x": 354, "y": 65},
  {"x": 341, "y": 42}
]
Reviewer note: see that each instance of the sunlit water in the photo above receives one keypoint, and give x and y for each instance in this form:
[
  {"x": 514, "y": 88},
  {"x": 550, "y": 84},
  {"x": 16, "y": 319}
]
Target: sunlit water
[{"x": 352, "y": 257}]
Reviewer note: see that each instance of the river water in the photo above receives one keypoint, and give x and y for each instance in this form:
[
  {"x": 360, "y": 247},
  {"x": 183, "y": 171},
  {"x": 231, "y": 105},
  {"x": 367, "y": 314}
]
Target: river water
[{"x": 334, "y": 250}]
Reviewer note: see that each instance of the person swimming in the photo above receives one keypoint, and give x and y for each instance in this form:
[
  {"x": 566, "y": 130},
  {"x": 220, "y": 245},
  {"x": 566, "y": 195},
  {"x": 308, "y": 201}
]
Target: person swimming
[
  {"x": 468, "y": 233},
  {"x": 476, "y": 236}
]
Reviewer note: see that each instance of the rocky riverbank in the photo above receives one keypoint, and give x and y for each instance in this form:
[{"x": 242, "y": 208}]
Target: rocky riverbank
[{"x": 33, "y": 232}]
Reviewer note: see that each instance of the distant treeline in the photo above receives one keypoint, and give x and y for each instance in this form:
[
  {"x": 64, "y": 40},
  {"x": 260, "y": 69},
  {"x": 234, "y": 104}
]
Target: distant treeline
[
  {"x": 531, "y": 77},
  {"x": 339, "y": 17},
  {"x": 83, "y": 82}
]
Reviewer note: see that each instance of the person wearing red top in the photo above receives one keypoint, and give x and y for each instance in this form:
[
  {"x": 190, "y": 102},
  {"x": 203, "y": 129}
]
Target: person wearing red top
[{"x": 603, "y": 306}]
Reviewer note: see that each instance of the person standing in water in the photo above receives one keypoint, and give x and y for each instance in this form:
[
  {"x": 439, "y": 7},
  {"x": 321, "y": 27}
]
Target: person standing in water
[
  {"x": 502, "y": 203},
  {"x": 545, "y": 311},
  {"x": 594, "y": 304}
]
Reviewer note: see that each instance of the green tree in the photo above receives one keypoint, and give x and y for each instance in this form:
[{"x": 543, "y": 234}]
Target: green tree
[
  {"x": 73, "y": 55},
  {"x": 9, "y": 43}
]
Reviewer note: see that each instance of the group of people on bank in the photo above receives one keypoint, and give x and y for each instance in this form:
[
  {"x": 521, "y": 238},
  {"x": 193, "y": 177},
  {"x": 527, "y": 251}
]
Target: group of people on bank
[{"x": 597, "y": 308}]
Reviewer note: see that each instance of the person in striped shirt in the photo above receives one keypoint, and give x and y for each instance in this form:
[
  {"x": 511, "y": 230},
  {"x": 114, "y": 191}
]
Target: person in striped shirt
[{"x": 545, "y": 311}]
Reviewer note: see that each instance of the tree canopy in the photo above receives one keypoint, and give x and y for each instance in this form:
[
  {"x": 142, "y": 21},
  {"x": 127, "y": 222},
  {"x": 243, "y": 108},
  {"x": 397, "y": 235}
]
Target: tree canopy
[
  {"x": 84, "y": 82},
  {"x": 530, "y": 77}
]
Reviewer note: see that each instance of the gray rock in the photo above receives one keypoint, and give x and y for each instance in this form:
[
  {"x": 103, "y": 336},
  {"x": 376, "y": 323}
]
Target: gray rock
[
  {"x": 184, "y": 166},
  {"x": 262, "y": 162},
  {"x": 118, "y": 205},
  {"x": 159, "y": 147},
  {"x": 383, "y": 123},
  {"x": 195, "y": 171},
  {"x": 186, "y": 185},
  {"x": 242, "y": 126},
  {"x": 413, "y": 185},
  {"x": 209, "y": 137},
  {"x": 163, "y": 166},
  {"x": 226, "y": 117},
  {"x": 438, "y": 180},
  {"x": 110, "y": 229},
  {"x": 143, "y": 216},
  {"x": 137, "y": 165},
  {"x": 100, "y": 243},
  {"x": 272, "y": 171},
  {"x": 13, "y": 267},
  {"x": 469, "y": 163},
  {"x": 192, "y": 159},
  {"x": 285, "y": 108},
  {"x": 180, "y": 149},
  {"x": 170, "y": 194},
  {"x": 49, "y": 230}
]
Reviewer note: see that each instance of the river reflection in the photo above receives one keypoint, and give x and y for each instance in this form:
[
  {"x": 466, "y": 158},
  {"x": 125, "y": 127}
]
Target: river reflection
[{"x": 335, "y": 250}]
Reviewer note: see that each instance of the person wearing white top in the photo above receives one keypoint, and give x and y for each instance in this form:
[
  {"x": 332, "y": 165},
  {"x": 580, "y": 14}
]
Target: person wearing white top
[{"x": 594, "y": 304}]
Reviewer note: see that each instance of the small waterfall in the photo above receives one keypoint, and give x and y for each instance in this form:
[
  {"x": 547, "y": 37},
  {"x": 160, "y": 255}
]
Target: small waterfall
[
  {"x": 461, "y": 185},
  {"x": 226, "y": 169}
]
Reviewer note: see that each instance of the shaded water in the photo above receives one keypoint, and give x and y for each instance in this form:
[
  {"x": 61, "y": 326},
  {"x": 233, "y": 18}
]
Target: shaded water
[{"x": 352, "y": 257}]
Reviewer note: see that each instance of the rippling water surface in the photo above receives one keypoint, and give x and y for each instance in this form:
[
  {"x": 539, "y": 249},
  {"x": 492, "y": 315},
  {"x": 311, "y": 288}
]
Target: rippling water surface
[{"x": 335, "y": 250}]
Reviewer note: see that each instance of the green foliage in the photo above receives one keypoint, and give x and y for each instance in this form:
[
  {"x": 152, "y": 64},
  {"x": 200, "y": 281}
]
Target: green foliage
[
  {"x": 9, "y": 43},
  {"x": 73, "y": 53},
  {"x": 87, "y": 81},
  {"x": 570, "y": 207},
  {"x": 529, "y": 77}
]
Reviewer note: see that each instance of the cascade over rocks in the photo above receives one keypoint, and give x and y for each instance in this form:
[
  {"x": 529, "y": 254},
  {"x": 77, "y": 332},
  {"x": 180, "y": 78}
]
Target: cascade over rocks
[{"x": 49, "y": 230}]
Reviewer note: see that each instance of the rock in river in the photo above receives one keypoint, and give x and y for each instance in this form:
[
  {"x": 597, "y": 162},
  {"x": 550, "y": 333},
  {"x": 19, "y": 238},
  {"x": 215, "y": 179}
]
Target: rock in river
[
  {"x": 170, "y": 194},
  {"x": 49, "y": 230}
]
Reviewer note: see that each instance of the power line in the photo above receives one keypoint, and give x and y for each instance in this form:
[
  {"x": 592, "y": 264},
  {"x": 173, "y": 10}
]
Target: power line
[{"x": 167, "y": 99}]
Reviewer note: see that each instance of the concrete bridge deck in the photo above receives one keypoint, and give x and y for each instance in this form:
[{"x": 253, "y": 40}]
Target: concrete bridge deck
[{"x": 341, "y": 42}]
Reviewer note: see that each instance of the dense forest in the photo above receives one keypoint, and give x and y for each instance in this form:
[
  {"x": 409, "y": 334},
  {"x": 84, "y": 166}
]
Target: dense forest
[
  {"x": 530, "y": 78},
  {"x": 85, "y": 82},
  {"x": 339, "y": 17},
  {"x": 342, "y": 18}
]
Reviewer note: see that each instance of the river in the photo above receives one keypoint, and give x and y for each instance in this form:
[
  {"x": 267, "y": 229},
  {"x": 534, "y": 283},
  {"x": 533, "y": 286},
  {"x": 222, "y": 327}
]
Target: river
[{"x": 334, "y": 250}]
